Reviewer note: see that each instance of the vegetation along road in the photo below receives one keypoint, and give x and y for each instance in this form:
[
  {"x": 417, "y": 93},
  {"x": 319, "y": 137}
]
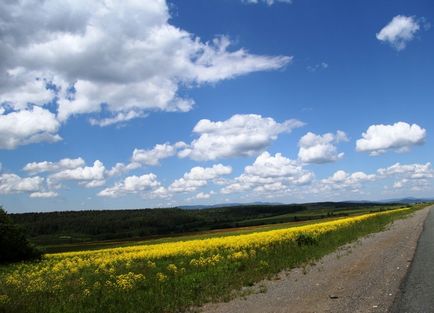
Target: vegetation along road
[
  {"x": 417, "y": 290},
  {"x": 362, "y": 277}
]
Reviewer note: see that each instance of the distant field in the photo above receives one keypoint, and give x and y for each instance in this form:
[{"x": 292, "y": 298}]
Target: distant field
[
  {"x": 69, "y": 231},
  {"x": 261, "y": 224},
  {"x": 174, "y": 274}
]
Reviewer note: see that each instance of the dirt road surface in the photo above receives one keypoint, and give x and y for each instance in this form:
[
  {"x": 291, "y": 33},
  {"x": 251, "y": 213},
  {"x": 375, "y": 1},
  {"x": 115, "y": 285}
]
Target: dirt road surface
[{"x": 359, "y": 278}]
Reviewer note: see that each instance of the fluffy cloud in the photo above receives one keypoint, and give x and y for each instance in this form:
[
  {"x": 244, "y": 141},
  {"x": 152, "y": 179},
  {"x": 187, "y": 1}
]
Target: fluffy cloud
[
  {"x": 203, "y": 196},
  {"x": 399, "y": 136},
  {"x": 411, "y": 176},
  {"x": 344, "y": 179},
  {"x": 410, "y": 171},
  {"x": 153, "y": 156},
  {"x": 132, "y": 185},
  {"x": 27, "y": 126},
  {"x": 320, "y": 149},
  {"x": 400, "y": 30},
  {"x": 240, "y": 135},
  {"x": 115, "y": 59},
  {"x": 198, "y": 177},
  {"x": 270, "y": 173},
  {"x": 45, "y": 166},
  {"x": 12, "y": 183},
  {"x": 90, "y": 176},
  {"x": 121, "y": 168}
]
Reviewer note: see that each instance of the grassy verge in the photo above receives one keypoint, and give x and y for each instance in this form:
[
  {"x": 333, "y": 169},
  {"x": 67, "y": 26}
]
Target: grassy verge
[{"x": 172, "y": 277}]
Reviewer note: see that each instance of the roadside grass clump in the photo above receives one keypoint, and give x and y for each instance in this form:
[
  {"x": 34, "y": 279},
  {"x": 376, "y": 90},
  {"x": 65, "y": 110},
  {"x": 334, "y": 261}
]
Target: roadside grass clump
[{"x": 173, "y": 276}]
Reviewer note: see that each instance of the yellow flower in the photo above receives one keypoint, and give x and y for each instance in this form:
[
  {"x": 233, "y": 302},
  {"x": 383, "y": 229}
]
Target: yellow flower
[
  {"x": 161, "y": 277},
  {"x": 172, "y": 268},
  {"x": 4, "y": 299}
]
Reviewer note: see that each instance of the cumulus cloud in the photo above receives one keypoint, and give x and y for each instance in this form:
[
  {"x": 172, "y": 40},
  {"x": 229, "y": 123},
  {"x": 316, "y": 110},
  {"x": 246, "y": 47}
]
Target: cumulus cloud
[
  {"x": 117, "y": 59},
  {"x": 90, "y": 176},
  {"x": 270, "y": 173},
  {"x": 203, "y": 196},
  {"x": 320, "y": 149},
  {"x": 27, "y": 126},
  {"x": 343, "y": 181},
  {"x": 409, "y": 171},
  {"x": 45, "y": 166},
  {"x": 121, "y": 168},
  {"x": 12, "y": 183},
  {"x": 399, "y": 136},
  {"x": 240, "y": 135},
  {"x": 411, "y": 176},
  {"x": 132, "y": 185},
  {"x": 153, "y": 156},
  {"x": 198, "y": 177},
  {"x": 343, "y": 178},
  {"x": 400, "y": 30}
]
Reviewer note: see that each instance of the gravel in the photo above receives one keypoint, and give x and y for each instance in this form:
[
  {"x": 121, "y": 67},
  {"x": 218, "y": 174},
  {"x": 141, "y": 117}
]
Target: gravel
[{"x": 360, "y": 277}]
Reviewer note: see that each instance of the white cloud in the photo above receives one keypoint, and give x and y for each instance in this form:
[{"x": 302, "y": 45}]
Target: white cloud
[
  {"x": 342, "y": 180},
  {"x": 116, "y": 59},
  {"x": 132, "y": 185},
  {"x": 84, "y": 173},
  {"x": 198, "y": 177},
  {"x": 45, "y": 166},
  {"x": 399, "y": 136},
  {"x": 203, "y": 196},
  {"x": 270, "y": 173},
  {"x": 12, "y": 183},
  {"x": 93, "y": 183},
  {"x": 268, "y": 2},
  {"x": 118, "y": 118},
  {"x": 153, "y": 156},
  {"x": 400, "y": 30},
  {"x": 320, "y": 149},
  {"x": 409, "y": 171},
  {"x": 240, "y": 135},
  {"x": 28, "y": 126},
  {"x": 121, "y": 168},
  {"x": 43, "y": 194}
]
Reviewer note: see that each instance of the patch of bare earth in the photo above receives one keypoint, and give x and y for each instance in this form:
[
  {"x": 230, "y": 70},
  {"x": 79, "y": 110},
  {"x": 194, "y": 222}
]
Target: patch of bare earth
[{"x": 360, "y": 277}]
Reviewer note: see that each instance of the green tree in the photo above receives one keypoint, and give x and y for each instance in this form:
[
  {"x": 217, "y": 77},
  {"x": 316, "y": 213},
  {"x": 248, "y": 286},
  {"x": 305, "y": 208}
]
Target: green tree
[{"x": 14, "y": 245}]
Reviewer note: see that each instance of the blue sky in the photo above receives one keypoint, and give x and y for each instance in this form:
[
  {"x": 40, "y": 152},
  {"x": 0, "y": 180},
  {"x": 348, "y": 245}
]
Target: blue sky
[{"x": 201, "y": 102}]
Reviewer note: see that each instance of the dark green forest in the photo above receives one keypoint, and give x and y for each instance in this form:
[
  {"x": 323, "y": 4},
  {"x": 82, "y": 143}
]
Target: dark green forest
[{"x": 93, "y": 225}]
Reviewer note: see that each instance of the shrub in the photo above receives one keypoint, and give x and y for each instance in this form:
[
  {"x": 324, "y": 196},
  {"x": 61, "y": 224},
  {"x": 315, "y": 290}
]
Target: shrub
[{"x": 14, "y": 245}]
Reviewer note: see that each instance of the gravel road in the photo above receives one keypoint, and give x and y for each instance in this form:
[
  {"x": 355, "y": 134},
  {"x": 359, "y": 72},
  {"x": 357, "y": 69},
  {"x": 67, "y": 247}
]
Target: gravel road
[
  {"x": 417, "y": 290},
  {"x": 361, "y": 277}
]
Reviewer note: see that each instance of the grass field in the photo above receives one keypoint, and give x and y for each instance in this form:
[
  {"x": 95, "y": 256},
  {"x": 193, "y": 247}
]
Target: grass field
[{"x": 175, "y": 274}]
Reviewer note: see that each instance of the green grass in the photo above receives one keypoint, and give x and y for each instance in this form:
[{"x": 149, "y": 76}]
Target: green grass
[{"x": 195, "y": 286}]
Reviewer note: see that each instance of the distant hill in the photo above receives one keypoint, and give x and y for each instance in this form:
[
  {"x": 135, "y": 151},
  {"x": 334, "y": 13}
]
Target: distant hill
[{"x": 407, "y": 200}]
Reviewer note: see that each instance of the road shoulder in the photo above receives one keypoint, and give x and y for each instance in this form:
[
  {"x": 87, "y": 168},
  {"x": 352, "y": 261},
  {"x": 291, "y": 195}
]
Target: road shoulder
[{"x": 361, "y": 277}]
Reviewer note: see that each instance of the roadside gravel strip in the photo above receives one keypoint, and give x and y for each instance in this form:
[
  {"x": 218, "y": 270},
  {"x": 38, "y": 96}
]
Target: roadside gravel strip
[{"x": 361, "y": 277}]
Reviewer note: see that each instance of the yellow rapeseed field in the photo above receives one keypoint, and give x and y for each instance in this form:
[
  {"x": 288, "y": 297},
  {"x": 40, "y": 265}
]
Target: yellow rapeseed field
[{"x": 86, "y": 274}]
